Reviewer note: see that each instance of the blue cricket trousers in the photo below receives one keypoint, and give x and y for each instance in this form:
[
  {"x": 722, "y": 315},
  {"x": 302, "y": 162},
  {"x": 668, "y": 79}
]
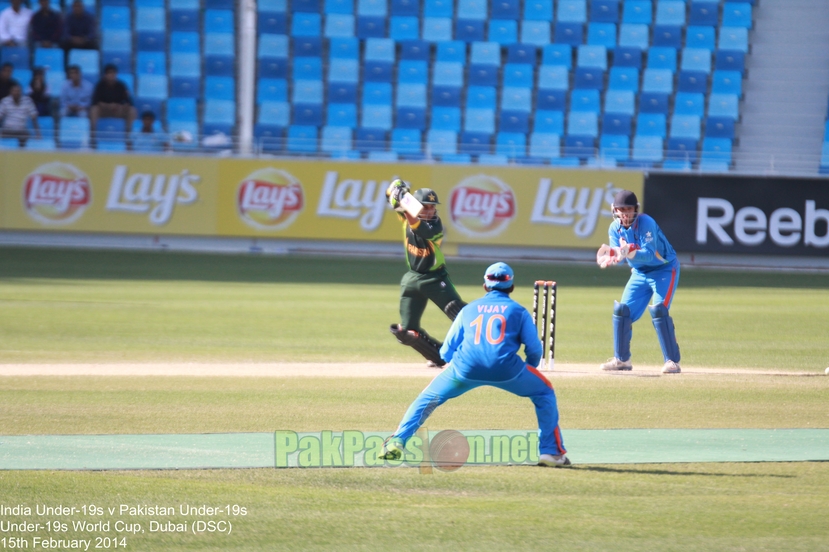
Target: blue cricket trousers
[{"x": 528, "y": 383}]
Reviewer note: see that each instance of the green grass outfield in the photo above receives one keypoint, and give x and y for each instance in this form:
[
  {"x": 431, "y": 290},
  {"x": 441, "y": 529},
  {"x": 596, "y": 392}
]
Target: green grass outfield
[{"x": 102, "y": 307}]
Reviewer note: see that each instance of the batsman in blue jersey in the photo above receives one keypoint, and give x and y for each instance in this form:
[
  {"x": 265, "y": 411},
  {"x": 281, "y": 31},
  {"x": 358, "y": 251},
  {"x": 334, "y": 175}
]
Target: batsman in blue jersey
[
  {"x": 654, "y": 275},
  {"x": 482, "y": 349}
]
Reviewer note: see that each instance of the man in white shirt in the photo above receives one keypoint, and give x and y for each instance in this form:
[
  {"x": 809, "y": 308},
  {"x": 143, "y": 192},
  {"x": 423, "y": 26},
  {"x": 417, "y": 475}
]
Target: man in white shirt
[
  {"x": 14, "y": 24},
  {"x": 15, "y": 112}
]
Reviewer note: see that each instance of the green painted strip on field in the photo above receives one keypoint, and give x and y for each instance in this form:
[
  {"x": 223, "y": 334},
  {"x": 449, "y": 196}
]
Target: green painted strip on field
[{"x": 257, "y": 450}]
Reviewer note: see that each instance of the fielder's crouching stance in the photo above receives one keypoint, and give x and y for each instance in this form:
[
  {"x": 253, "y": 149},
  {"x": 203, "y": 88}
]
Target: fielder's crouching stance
[
  {"x": 427, "y": 278},
  {"x": 482, "y": 346},
  {"x": 654, "y": 274}
]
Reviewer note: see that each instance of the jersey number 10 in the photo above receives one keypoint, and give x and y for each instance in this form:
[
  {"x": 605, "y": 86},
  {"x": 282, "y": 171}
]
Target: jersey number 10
[{"x": 496, "y": 322}]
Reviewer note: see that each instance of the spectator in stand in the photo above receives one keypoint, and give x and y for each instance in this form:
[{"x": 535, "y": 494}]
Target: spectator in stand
[
  {"x": 76, "y": 94},
  {"x": 148, "y": 138},
  {"x": 15, "y": 111},
  {"x": 6, "y": 80},
  {"x": 39, "y": 93},
  {"x": 80, "y": 28},
  {"x": 14, "y": 24},
  {"x": 46, "y": 26},
  {"x": 111, "y": 99}
]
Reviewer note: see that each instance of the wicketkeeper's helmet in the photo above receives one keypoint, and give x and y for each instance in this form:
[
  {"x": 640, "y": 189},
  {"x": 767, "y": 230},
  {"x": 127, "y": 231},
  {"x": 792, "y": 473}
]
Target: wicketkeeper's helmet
[{"x": 625, "y": 198}]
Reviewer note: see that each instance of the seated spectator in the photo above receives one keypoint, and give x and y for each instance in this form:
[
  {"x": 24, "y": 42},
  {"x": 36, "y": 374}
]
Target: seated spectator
[
  {"x": 111, "y": 99},
  {"x": 46, "y": 26},
  {"x": 39, "y": 93},
  {"x": 14, "y": 24},
  {"x": 80, "y": 28},
  {"x": 76, "y": 94},
  {"x": 15, "y": 111},
  {"x": 6, "y": 80},
  {"x": 148, "y": 138}
]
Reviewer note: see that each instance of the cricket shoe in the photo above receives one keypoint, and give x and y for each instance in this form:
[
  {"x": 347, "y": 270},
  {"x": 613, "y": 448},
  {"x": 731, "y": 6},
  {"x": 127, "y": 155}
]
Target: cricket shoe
[
  {"x": 552, "y": 461},
  {"x": 671, "y": 367},
  {"x": 614, "y": 364},
  {"x": 392, "y": 450}
]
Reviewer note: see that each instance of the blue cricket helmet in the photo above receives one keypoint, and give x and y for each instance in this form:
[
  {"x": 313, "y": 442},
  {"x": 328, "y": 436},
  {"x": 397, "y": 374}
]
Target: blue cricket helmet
[{"x": 499, "y": 276}]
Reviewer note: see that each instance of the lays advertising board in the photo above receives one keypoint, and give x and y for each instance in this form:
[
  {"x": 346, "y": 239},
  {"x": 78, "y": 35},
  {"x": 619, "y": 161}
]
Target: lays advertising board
[{"x": 302, "y": 199}]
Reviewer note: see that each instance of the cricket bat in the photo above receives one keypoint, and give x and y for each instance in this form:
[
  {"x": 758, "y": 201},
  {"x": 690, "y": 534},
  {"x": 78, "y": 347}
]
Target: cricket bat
[{"x": 410, "y": 204}]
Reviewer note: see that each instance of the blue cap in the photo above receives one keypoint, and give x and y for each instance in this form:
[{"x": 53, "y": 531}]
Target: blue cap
[{"x": 498, "y": 276}]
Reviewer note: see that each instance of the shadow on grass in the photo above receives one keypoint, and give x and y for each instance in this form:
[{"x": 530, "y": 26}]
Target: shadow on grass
[
  {"x": 604, "y": 469},
  {"x": 144, "y": 265}
]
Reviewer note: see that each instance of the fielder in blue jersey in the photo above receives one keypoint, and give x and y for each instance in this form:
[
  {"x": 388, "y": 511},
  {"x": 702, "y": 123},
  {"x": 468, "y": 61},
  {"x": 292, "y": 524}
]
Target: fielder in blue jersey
[
  {"x": 482, "y": 348},
  {"x": 654, "y": 275}
]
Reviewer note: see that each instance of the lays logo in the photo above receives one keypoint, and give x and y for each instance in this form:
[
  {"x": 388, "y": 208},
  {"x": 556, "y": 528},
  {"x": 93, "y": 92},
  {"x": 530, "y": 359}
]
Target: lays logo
[
  {"x": 269, "y": 199},
  {"x": 482, "y": 206},
  {"x": 56, "y": 193}
]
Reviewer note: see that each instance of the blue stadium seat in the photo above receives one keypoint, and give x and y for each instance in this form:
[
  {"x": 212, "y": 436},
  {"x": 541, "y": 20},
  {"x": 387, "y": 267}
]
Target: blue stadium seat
[
  {"x": 689, "y": 103},
  {"x": 335, "y": 139},
  {"x": 272, "y": 22},
  {"x": 503, "y": 31},
  {"x": 342, "y": 92},
  {"x": 184, "y": 20},
  {"x": 219, "y": 4},
  {"x": 535, "y": 33},
  {"x": 375, "y": 8},
  {"x": 121, "y": 60},
  {"x": 513, "y": 121},
  {"x": 667, "y": 35},
  {"x": 307, "y": 46},
  {"x": 511, "y": 144},
  {"x": 733, "y": 38},
  {"x": 469, "y": 30},
  {"x": 447, "y": 73},
  {"x": 183, "y": 128},
  {"x": 344, "y": 70},
  {"x": 704, "y": 12},
  {"x": 670, "y": 12},
  {"x": 516, "y": 98},
  {"x": 604, "y": 11},
  {"x": 405, "y": 7},
  {"x": 371, "y": 139},
  {"x": 553, "y": 77},
  {"x": 74, "y": 132},
  {"x": 592, "y": 56},
  {"x": 302, "y": 139},
  {"x": 181, "y": 109},
  {"x": 411, "y": 95},
  {"x": 47, "y": 126},
  {"x": 150, "y": 19},
  {"x": 415, "y": 50},
  {"x": 685, "y": 126},
  {"x": 479, "y": 120},
  {"x": 719, "y": 127},
  {"x": 151, "y": 63},
  {"x": 627, "y": 57},
  {"x": 651, "y": 124},
  {"x": 377, "y": 93},
  {"x": 372, "y": 27},
  {"x": 274, "y": 114},
  {"x": 151, "y": 41},
  {"x": 475, "y": 143},
  {"x": 437, "y": 29},
  {"x": 273, "y": 68},
  {"x": 736, "y": 14},
  {"x": 518, "y": 74},
  {"x": 406, "y": 141},
  {"x": 658, "y": 80},
  {"x": 305, "y": 6},
  {"x": 557, "y": 54},
  {"x": 648, "y": 149},
  {"x": 446, "y": 96},
  {"x": 41, "y": 144},
  {"x": 446, "y": 118},
  {"x": 412, "y": 72},
  {"x": 344, "y": 48},
  {"x": 186, "y": 42},
  {"x": 472, "y": 9},
  {"x": 538, "y": 10},
  {"x": 582, "y": 147},
  {"x": 307, "y": 68},
  {"x": 589, "y": 77},
  {"x": 693, "y": 81},
  {"x": 441, "y": 142},
  {"x": 306, "y": 24},
  {"x": 716, "y": 149},
  {"x": 115, "y": 41},
  {"x": 49, "y": 58},
  {"x": 404, "y": 27},
  {"x": 339, "y": 25},
  {"x": 411, "y": 117},
  {"x": 522, "y": 53},
  {"x": 219, "y": 66},
  {"x": 700, "y": 37},
  {"x": 377, "y": 71},
  {"x": 219, "y": 21},
  {"x": 88, "y": 61},
  {"x": 569, "y": 33},
  {"x": 116, "y": 17},
  {"x": 730, "y": 60},
  {"x": 341, "y": 114},
  {"x": 306, "y": 114},
  {"x": 481, "y": 97},
  {"x": 185, "y": 87},
  {"x": 614, "y": 146},
  {"x": 696, "y": 59},
  {"x": 505, "y": 9},
  {"x": 223, "y": 88},
  {"x": 624, "y": 78},
  {"x": 439, "y": 8},
  {"x": 617, "y": 124},
  {"x": 376, "y": 116},
  {"x": 660, "y": 57},
  {"x": 602, "y": 34},
  {"x": 572, "y": 11},
  {"x": 620, "y": 102},
  {"x": 727, "y": 82},
  {"x": 153, "y": 87},
  {"x": 653, "y": 102},
  {"x": 583, "y": 123},
  {"x": 492, "y": 159},
  {"x": 451, "y": 51},
  {"x": 219, "y": 112},
  {"x": 681, "y": 149},
  {"x": 724, "y": 105},
  {"x": 545, "y": 145},
  {"x": 639, "y": 12},
  {"x": 634, "y": 35}
]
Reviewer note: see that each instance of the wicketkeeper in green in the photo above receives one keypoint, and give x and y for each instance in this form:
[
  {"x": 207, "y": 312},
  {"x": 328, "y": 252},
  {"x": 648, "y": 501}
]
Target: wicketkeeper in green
[{"x": 427, "y": 278}]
